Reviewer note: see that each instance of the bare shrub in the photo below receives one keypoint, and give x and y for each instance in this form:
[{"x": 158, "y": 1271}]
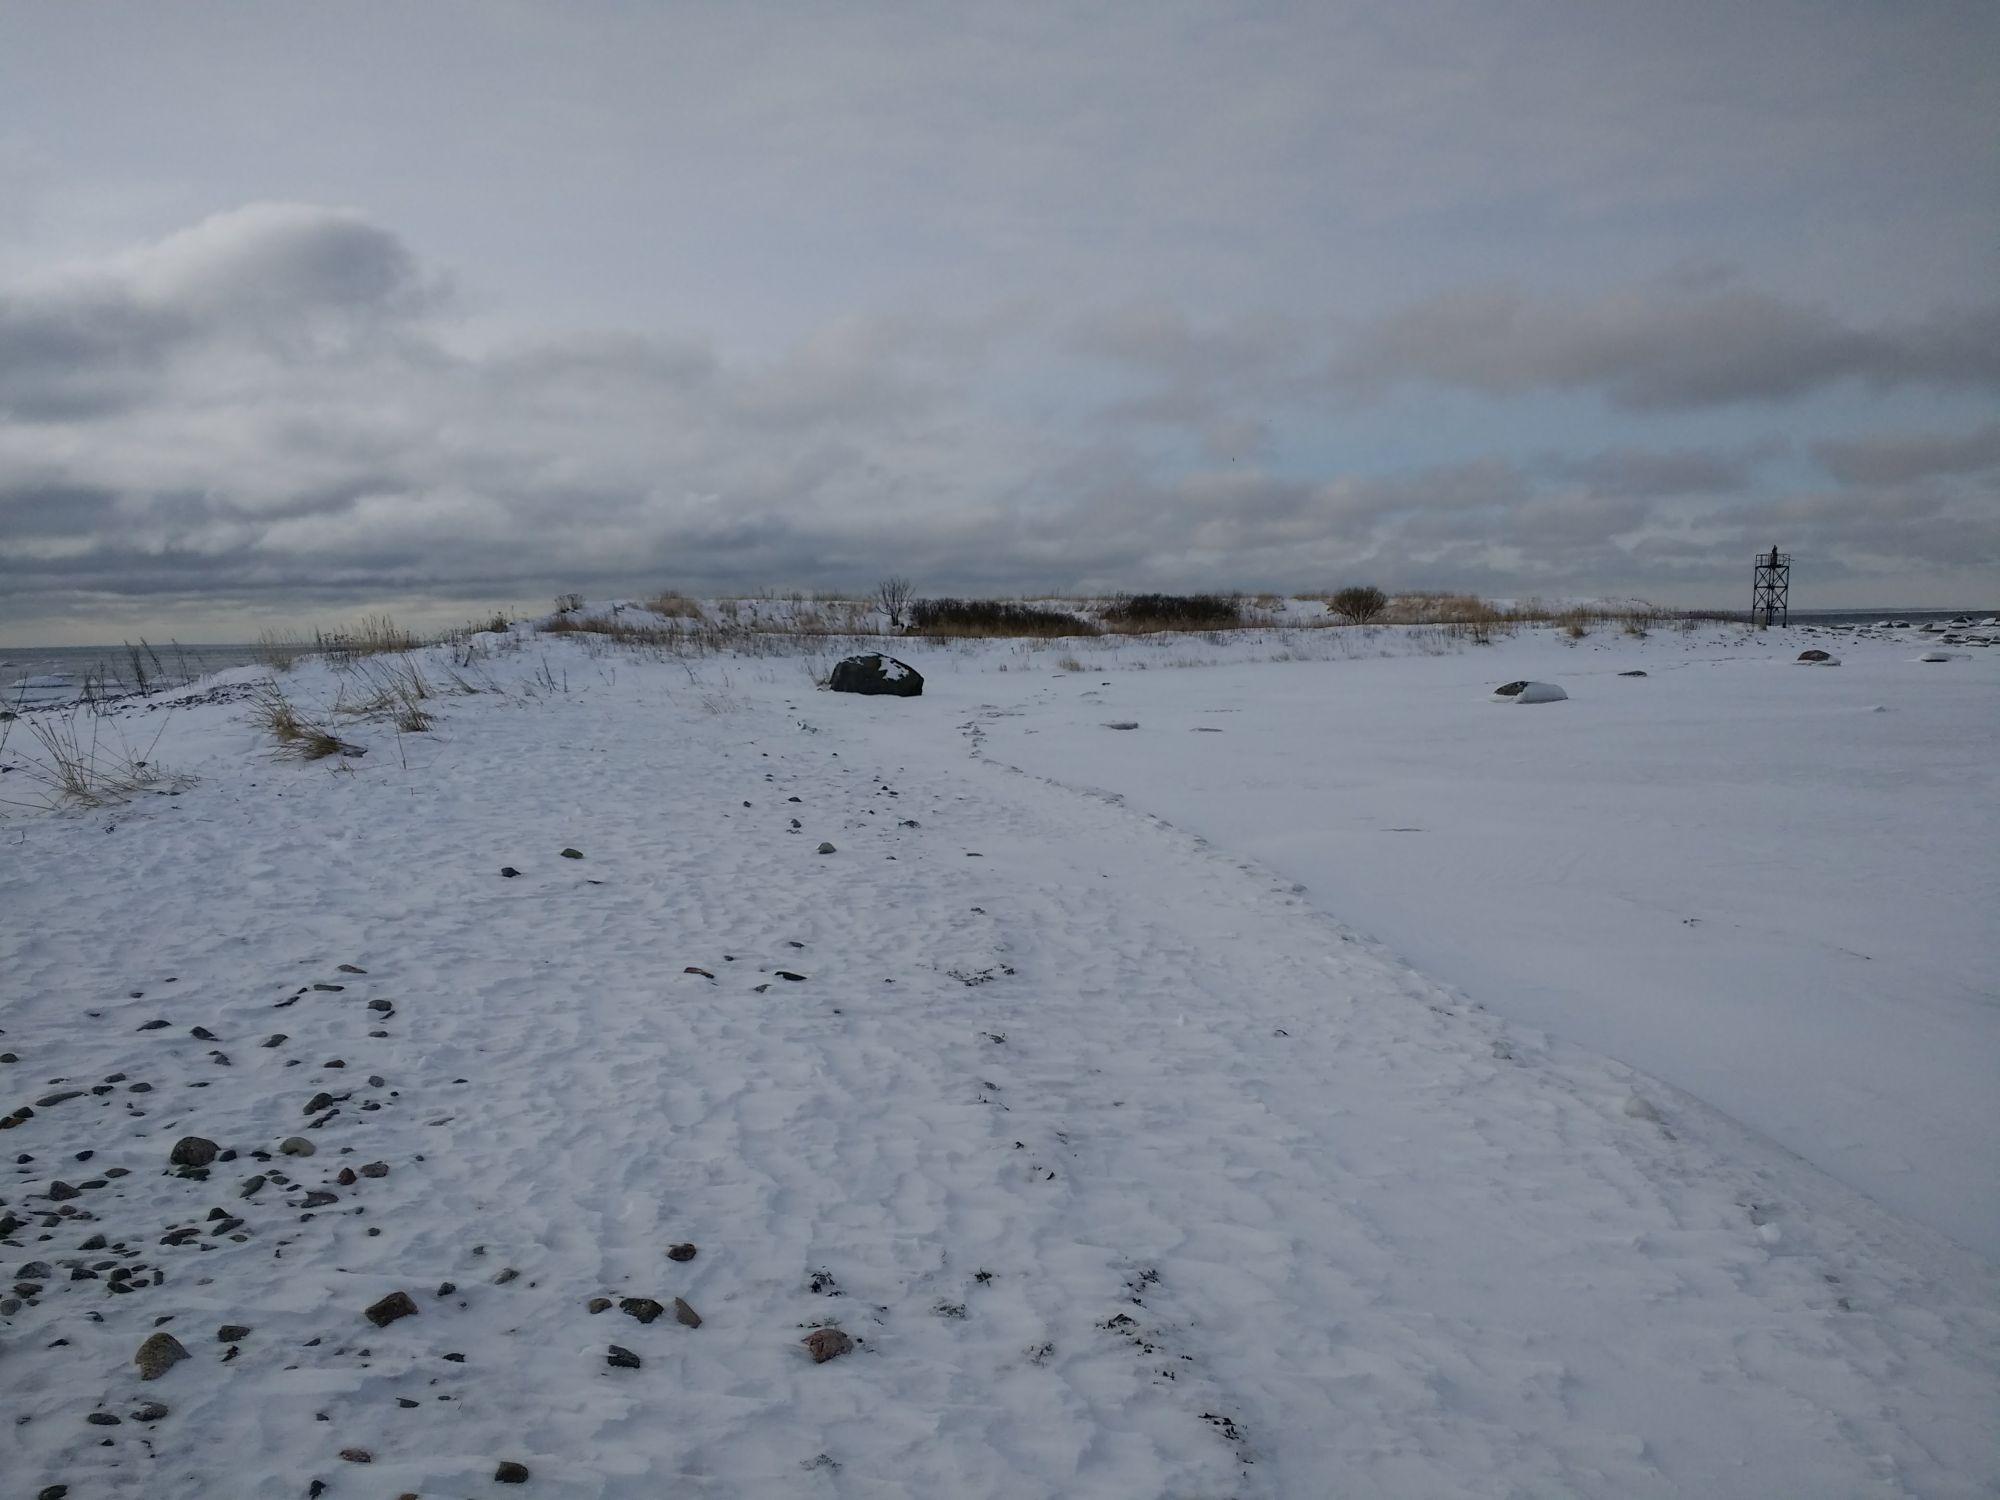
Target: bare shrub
[
  {"x": 1359, "y": 604},
  {"x": 1140, "y": 613},
  {"x": 993, "y": 617},
  {"x": 892, "y": 597},
  {"x": 1068, "y": 664},
  {"x": 568, "y": 604}
]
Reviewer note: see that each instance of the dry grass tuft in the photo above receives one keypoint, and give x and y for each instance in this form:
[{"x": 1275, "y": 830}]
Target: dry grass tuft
[
  {"x": 72, "y": 763},
  {"x": 297, "y": 734},
  {"x": 674, "y": 606},
  {"x": 377, "y": 635}
]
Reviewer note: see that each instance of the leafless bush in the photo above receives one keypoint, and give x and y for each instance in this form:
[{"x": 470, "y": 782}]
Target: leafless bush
[
  {"x": 1143, "y": 613},
  {"x": 892, "y": 596},
  {"x": 994, "y": 617},
  {"x": 1359, "y": 604}
]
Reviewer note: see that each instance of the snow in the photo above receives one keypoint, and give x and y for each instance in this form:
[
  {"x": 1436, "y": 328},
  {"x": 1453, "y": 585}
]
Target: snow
[{"x": 1133, "y": 1166}]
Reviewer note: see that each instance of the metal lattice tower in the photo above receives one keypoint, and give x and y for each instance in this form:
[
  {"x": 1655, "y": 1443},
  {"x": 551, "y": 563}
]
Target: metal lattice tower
[{"x": 1771, "y": 589}]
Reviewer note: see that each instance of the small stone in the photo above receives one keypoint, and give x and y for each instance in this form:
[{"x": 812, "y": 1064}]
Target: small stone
[
  {"x": 572, "y": 854},
  {"x": 381, "y": 1007},
  {"x": 346, "y": 1177},
  {"x": 275, "y": 1039},
  {"x": 201, "y": 1033},
  {"x": 510, "y": 1472},
  {"x": 231, "y": 1333},
  {"x": 193, "y": 1151},
  {"x": 297, "y": 1145},
  {"x": 52, "y": 1492},
  {"x": 152, "y": 1411},
  {"x": 62, "y": 1192},
  {"x": 824, "y": 1344},
  {"x": 252, "y": 1186},
  {"x": 645, "y": 1309},
  {"x": 319, "y": 1198},
  {"x": 351, "y": 969},
  {"x": 104, "y": 1419},
  {"x": 692, "y": 969},
  {"x": 506, "y": 1276},
  {"x": 597, "y": 1305},
  {"x": 48, "y": 1101},
  {"x": 827, "y": 849},
  {"x": 357, "y": 1455},
  {"x": 159, "y": 1354},
  {"x": 376, "y": 1169},
  {"x": 446, "y": 1288},
  {"x": 508, "y": 872},
  {"x": 686, "y": 1316},
  {"x": 681, "y": 1252},
  {"x": 621, "y": 1358},
  {"x": 154, "y": 1026},
  {"x": 321, "y": 1100},
  {"x": 395, "y": 1305}
]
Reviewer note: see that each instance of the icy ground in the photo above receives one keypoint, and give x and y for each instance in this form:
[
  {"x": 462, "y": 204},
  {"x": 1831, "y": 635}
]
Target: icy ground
[{"x": 1131, "y": 1170}]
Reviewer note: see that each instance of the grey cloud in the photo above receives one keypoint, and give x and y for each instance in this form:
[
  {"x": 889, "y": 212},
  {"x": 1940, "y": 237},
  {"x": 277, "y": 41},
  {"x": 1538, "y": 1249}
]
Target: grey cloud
[
  {"x": 1643, "y": 472},
  {"x": 340, "y": 440},
  {"x": 1665, "y": 350},
  {"x": 91, "y": 342},
  {"x": 1892, "y": 460}
]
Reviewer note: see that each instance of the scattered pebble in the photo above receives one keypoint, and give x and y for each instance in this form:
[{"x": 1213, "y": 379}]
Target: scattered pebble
[
  {"x": 826, "y": 849},
  {"x": 645, "y": 1309},
  {"x": 510, "y": 1472},
  {"x": 297, "y": 1145},
  {"x": 621, "y": 1358},
  {"x": 572, "y": 854},
  {"x": 681, "y": 1252},
  {"x": 686, "y": 1316}
]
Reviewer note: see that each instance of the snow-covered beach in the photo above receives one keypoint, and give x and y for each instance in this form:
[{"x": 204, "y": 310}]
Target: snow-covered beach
[{"x": 1255, "y": 1064}]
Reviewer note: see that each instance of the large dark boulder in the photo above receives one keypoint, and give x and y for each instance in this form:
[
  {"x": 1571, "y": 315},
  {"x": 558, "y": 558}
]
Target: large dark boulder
[{"x": 876, "y": 674}]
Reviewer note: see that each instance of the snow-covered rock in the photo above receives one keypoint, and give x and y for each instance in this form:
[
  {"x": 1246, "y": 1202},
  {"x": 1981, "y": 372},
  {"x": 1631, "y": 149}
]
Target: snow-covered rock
[{"x": 1529, "y": 692}]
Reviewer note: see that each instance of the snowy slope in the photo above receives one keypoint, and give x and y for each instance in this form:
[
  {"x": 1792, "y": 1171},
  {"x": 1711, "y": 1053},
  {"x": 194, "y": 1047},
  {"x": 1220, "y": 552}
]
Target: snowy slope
[
  {"x": 1771, "y": 885},
  {"x": 1131, "y": 1172}
]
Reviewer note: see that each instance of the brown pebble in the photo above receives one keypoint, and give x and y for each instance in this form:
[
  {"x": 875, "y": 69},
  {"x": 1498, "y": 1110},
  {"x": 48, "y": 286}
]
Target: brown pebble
[
  {"x": 357, "y": 1455},
  {"x": 824, "y": 1344},
  {"x": 346, "y": 1177},
  {"x": 597, "y": 1305},
  {"x": 395, "y": 1305}
]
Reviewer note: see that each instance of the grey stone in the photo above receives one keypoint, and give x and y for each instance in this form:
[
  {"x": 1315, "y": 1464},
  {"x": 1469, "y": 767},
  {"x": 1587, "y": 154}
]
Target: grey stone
[
  {"x": 159, "y": 1354},
  {"x": 876, "y": 675},
  {"x": 395, "y": 1305},
  {"x": 193, "y": 1151}
]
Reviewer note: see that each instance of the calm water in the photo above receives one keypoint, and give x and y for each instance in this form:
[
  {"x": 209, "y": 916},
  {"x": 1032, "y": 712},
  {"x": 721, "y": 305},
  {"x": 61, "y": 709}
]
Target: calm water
[{"x": 31, "y": 675}]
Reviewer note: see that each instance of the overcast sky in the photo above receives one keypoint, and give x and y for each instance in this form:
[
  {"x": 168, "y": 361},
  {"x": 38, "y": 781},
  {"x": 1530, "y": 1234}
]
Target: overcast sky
[{"x": 311, "y": 310}]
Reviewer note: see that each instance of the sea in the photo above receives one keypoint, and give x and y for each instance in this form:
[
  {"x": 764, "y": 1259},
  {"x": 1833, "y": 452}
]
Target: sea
[{"x": 38, "y": 676}]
